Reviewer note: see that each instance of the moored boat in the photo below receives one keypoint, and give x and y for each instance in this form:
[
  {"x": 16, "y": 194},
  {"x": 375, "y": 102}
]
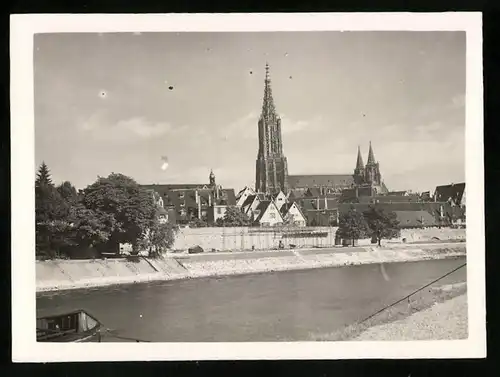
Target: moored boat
[{"x": 77, "y": 326}]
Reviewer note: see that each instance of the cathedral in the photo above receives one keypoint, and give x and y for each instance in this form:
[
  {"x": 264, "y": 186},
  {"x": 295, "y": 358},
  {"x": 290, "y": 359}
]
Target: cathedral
[
  {"x": 271, "y": 165},
  {"x": 272, "y": 168}
]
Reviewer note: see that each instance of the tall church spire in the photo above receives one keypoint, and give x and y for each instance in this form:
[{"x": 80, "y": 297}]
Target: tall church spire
[
  {"x": 359, "y": 163},
  {"x": 371, "y": 157},
  {"x": 271, "y": 164},
  {"x": 268, "y": 108}
]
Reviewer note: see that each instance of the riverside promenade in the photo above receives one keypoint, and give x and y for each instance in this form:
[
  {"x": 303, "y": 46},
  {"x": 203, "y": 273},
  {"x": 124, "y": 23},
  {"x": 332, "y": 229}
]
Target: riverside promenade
[{"x": 75, "y": 274}]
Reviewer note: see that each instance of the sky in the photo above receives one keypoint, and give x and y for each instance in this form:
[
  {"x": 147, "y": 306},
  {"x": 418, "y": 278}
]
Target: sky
[{"x": 119, "y": 102}]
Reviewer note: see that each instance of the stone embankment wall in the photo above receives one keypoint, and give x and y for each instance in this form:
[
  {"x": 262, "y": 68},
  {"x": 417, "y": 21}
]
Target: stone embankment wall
[
  {"x": 60, "y": 275},
  {"x": 244, "y": 238}
]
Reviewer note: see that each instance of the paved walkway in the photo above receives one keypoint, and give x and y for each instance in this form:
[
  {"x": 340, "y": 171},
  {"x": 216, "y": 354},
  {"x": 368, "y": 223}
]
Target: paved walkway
[{"x": 447, "y": 320}]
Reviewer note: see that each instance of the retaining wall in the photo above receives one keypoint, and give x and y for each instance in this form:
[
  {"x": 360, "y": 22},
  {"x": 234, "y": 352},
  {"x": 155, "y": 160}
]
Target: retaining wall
[
  {"x": 60, "y": 275},
  {"x": 244, "y": 238}
]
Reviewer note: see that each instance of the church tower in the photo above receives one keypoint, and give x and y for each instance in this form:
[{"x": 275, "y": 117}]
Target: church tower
[
  {"x": 271, "y": 165},
  {"x": 359, "y": 171},
  {"x": 372, "y": 171},
  {"x": 211, "y": 178}
]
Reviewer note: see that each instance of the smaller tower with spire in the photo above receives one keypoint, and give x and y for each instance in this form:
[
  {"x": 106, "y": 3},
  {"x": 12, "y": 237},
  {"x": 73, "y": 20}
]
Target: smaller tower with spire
[
  {"x": 359, "y": 171},
  {"x": 372, "y": 171}
]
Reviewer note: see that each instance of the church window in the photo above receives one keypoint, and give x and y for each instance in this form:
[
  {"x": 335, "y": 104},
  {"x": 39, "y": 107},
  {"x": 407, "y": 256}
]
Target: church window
[
  {"x": 272, "y": 215},
  {"x": 219, "y": 210}
]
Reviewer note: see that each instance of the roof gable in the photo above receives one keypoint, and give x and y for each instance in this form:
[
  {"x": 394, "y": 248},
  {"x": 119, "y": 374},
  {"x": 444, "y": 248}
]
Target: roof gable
[
  {"x": 453, "y": 193},
  {"x": 265, "y": 207}
]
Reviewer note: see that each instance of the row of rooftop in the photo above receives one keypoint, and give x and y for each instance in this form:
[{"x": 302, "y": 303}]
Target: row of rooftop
[{"x": 315, "y": 206}]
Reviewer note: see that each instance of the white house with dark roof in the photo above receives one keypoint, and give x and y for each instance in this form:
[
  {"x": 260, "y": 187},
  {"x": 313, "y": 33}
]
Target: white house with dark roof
[
  {"x": 267, "y": 214},
  {"x": 242, "y": 196},
  {"x": 280, "y": 199},
  {"x": 292, "y": 214}
]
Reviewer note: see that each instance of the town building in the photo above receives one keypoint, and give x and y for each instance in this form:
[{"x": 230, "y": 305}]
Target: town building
[
  {"x": 242, "y": 196},
  {"x": 453, "y": 193},
  {"x": 267, "y": 214},
  {"x": 292, "y": 214},
  {"x": 188, "y": 202}
]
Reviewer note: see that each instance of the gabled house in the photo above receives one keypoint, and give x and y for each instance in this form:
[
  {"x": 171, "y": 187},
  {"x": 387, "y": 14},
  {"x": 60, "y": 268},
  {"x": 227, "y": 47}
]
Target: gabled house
[
  {"x": 251, "y": 202},
  {"x": 452, "y": 194},
  {"x": 267, "y": 214},
  {"x": 242, "y": 196},
  {"x": 279, "y": 199},
  {"x": 292, "y": 214}
]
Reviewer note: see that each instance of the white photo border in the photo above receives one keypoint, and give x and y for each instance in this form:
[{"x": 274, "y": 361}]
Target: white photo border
[{"x": 24, "y": 345}]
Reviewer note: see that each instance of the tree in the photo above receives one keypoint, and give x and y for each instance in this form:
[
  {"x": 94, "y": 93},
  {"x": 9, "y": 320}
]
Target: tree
[
  {"x": 198, "y": 223},
  {"x": 352, "y": 226},
  {"x": 91, "y": 228},
  {"x": 43, "y": 176},
  {"x": 127, "y": 208},
  {"x": 158, "y": 237},
  {"x": 68, "y": 192},
  {"x": 233, "y": 217},
  {"x": 51, "y": 215},
  {"x": 382, "y": 224}
]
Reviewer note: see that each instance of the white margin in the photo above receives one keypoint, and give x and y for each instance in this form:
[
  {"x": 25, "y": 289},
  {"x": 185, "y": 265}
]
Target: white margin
[{"x": 24, "y": 346}]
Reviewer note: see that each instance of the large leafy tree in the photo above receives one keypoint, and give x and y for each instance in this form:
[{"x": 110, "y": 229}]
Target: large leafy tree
[
  {"x": 233, "y": 217},
  {"x": 352, "y": 226},
  {"x": 125, "y": 208},
  {"x": 68, "y": 192},
  {"x": 382, "y": 224},
  {"x": 91, "y": 228},
  {"x": 158, "y": 237}
]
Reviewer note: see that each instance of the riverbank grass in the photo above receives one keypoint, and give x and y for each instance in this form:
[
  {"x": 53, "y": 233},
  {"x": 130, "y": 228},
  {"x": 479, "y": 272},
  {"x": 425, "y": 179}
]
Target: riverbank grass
[{"x": 422, "y": 301}]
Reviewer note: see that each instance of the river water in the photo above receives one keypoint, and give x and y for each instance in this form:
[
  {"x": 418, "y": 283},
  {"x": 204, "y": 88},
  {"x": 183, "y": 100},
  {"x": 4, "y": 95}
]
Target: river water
[{"x": 277, "y": 306}]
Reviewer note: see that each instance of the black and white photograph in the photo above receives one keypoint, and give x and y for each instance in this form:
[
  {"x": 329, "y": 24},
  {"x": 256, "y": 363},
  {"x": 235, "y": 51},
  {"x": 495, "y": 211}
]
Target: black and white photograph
[{"x": 264, "y": 186}]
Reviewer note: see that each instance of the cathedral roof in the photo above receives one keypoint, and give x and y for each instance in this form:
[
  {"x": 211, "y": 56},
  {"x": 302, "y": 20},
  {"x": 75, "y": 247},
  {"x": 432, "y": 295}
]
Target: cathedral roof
[{"x": 325, "y": 180}]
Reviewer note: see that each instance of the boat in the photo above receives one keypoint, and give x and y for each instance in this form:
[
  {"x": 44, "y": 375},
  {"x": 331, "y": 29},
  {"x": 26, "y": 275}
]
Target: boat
[{"x": 76, "y": 326}]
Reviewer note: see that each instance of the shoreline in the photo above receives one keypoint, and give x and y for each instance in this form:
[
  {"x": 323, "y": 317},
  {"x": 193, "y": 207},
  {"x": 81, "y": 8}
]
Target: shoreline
[
  {"x": 80, "y": 274},
  {"x": 443, "y": 320},
  {"x": 412, "y": 315}
]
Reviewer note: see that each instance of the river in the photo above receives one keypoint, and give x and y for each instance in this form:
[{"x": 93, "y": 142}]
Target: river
[{"x": 277, "y": 306}]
